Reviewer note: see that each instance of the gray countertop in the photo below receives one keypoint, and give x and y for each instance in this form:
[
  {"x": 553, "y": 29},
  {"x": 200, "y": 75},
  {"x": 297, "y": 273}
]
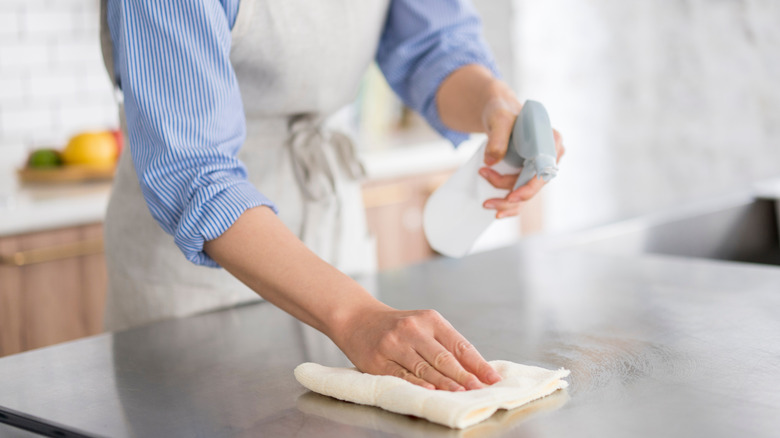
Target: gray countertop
[{"x": 657, "y": 346}]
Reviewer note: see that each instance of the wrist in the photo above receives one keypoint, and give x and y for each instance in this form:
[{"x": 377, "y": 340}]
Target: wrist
[{"x": 348, "y": 316}]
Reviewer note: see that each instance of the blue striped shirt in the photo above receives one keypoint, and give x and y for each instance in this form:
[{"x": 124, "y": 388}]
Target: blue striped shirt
[{"x": 184, "y": 111}]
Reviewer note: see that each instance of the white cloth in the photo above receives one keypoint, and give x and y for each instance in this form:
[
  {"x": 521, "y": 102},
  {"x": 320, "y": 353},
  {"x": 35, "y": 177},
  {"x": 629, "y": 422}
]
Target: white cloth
[{"x": 520, "y": 384}]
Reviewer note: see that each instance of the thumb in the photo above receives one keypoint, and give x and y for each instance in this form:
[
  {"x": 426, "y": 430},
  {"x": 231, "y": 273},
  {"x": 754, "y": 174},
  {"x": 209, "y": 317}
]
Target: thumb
[
  {"x": 499, "y": 118},
  {"x": 499, "y": 128}
]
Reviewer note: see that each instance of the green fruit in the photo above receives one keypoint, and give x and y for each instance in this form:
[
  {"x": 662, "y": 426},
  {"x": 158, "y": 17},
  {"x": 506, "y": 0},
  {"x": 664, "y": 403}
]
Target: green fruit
[{"x": 44, "y": 158}]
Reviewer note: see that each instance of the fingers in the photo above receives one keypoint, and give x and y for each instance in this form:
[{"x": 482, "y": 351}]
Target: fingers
[
  {"x": 393, "y": 369},
  {"x": 503, "y": 207},
  {"x": 511, "y": 204},
  {"x": 423, "y": 370},
  {"x": 559, "y": 149},
  {"x": 527, "y": 191},
  {"x": 445, "y": 362},
  {"x": 507, "y": 182},
  {"x": 467, "y": 356},
  {"x": 412, "y": 333},
  {"x": 437, "y": 362},
  {"x": 498, "y": 180},
  {"x": 426, "y": 358}
]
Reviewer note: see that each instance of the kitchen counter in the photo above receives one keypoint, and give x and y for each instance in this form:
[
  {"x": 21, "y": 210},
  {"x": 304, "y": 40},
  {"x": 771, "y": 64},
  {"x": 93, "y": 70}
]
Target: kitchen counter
[
  {"x": 25, "y": 209},
  {"x": 657, "y": 345}
]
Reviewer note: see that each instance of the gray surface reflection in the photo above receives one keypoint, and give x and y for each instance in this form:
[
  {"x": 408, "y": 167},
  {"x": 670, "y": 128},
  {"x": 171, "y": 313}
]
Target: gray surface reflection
[
  {"x": 202, "y": 375},
  {"x": 374, "y": 419},
  {"x": 657, "y": 346}
]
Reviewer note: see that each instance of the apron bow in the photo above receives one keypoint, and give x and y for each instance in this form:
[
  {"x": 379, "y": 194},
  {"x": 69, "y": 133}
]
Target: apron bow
[{"x": 311, "y": 164}]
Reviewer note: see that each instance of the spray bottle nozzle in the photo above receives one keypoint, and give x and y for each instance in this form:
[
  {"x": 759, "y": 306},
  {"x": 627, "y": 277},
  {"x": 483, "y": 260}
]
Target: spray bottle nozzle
[
  {"x": 545, "y": 167},
  {"x": 531, "y": 145}
]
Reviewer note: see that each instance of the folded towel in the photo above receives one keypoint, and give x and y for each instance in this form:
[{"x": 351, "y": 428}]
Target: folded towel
[{"x": 520, "y": 384}]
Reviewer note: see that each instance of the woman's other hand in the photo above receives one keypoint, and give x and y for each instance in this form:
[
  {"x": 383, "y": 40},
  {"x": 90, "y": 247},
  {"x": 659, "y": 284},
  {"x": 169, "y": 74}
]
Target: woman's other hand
[
  {"x": 471, "y": 99},
  {"x": 499, "y": 117},
  {"x": 419, "y": 346}
]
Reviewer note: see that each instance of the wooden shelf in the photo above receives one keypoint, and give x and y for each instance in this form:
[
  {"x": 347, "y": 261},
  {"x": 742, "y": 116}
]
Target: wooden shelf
[{"x": 65, "y": 174}]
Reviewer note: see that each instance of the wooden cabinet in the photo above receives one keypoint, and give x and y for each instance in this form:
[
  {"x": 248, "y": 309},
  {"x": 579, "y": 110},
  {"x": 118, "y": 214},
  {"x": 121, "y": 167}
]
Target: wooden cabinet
[
  {"x": 52, "y": 287},
  {"x": 394, "y": 211}
]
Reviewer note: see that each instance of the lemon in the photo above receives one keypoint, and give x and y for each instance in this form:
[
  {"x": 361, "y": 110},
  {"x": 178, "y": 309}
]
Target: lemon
[
  {"x": 44, "y": 158},
  {"x": 92, "y": 149}
]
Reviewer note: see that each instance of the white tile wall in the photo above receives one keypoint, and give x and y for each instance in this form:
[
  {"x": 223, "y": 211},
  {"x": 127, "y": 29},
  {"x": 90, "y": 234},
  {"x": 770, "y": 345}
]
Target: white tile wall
[
  {"x": 659, "y": 103},
  {"x": 52, "y": 80}
]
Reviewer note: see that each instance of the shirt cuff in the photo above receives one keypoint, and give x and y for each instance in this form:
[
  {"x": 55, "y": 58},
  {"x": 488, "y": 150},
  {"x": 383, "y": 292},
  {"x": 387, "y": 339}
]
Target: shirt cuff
[
  {"x": 437, "y": 75},
  {"x": 207, "y": 219}
]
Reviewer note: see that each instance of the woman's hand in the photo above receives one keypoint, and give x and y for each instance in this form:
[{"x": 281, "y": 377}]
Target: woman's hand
[
  {"x": 498, "y": 118},
  {"x": 419, "y": 346},
  {"x": 471, "y": 99}
]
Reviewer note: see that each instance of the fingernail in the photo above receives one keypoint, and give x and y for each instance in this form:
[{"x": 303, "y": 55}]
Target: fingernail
[
  {"x": 500, "y": 215},
  {"x": 490, "y": 205},
  {"x": 493, "y": 377},
  {"x": 474, "y": 384},
  {"x": 456, "y": 387},
  {"x": 483, "y": 172},
  {"x": 490, "y": 160}
]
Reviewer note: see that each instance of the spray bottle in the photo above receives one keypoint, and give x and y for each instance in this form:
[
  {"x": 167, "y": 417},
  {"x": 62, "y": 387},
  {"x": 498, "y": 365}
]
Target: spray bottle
[{"x": 454, "y": 217}]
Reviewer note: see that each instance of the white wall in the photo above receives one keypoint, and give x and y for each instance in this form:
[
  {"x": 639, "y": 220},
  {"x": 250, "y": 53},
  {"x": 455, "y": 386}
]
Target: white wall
[
  {"x": 497, "y": 21},
  {"x": 52, "y": 80},
  {"x": 659, "y": 102}
]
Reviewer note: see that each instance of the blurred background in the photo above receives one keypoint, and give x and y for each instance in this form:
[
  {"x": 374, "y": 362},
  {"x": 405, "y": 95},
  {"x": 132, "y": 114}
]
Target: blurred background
[{"x": 659, "y": 103}]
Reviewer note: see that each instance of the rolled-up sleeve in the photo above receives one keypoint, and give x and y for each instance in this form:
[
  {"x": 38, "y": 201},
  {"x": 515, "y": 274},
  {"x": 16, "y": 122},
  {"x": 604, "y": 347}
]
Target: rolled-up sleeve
[
  {"x": 422, "y": 43},
  {"x": 184, "y": 116}
]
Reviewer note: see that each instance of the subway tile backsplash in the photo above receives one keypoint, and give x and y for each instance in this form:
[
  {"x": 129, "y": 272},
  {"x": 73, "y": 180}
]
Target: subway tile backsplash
[{"x": 52, "y": 80}]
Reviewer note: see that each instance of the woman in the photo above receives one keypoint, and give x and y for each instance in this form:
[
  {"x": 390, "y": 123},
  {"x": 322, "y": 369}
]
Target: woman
[{"x": 224, "y": 110}]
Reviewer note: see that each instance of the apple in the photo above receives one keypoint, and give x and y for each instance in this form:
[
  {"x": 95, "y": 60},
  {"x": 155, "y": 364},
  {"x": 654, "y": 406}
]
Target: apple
[{"x": 119, "y": 141}]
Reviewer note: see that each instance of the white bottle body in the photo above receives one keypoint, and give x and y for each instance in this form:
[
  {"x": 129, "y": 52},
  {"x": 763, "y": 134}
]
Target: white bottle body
[{"x": 454, "y": 217}]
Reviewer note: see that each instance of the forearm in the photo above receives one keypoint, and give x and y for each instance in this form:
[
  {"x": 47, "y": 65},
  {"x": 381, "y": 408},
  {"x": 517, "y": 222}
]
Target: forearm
[
  {"x": 265, "y": 255},
  {"x": 419, "y": 346},
  {"x": 466, "y": 94}
]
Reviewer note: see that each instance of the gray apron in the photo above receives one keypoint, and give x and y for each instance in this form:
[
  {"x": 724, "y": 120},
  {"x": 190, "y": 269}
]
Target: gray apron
[{"x": 297, "y": 62}]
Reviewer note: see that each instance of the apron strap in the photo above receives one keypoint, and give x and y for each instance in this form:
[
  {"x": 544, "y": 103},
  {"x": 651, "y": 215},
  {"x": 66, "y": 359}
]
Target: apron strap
[
  {"x": 106, "y": 46},
  {"x": 313, "y": 170}
]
